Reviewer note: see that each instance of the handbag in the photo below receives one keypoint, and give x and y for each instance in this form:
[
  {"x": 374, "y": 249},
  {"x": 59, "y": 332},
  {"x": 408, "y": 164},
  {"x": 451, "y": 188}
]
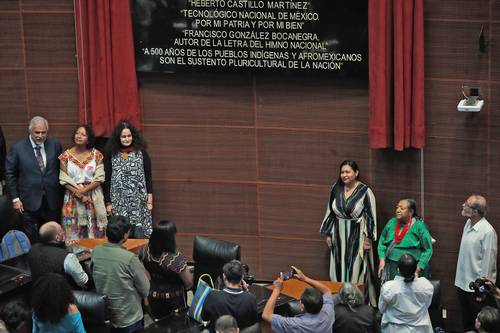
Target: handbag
[{"x": 202, "y": 291}]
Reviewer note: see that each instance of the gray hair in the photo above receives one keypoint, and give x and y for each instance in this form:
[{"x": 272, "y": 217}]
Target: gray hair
[
  {"x": 350, "y": 295},
  {"x": 38, "y": 120},
  {"x": 479, "y": 204},
  {"x": 226, "y": 324}
]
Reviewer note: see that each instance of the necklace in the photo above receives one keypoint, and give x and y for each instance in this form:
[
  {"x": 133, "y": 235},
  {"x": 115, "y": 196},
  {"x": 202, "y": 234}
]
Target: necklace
[
  {"x": 400, "y": 234},
  {"x": 349, "y": 191}
]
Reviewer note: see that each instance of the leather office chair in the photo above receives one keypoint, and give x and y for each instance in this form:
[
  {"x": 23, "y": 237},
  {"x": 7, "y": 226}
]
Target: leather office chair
[
  {"x": 10, "y": 220},
  {"x": 255, "y": 328},
  {"x": 210, "y": 255},
  {"x": 436, "y": 307},
  {"x": 93, "y": 308}
]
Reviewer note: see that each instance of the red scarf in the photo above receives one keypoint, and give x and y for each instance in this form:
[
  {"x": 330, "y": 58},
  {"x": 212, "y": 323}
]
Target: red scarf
[
  {"x": 399, "y": 235},
  {"x": 128, "y": 149}
]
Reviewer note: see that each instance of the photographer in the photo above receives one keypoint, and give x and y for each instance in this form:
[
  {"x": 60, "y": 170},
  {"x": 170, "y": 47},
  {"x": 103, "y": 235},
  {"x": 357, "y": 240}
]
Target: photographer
[
  {"x": 486, "y": 292},
  {"x": 317, "y": 302},
  {"x": 233, "y": 299}
]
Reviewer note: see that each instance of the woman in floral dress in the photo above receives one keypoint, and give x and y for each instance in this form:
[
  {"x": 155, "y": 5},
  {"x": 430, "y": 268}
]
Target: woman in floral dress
[{"x": 82, "y": 173}]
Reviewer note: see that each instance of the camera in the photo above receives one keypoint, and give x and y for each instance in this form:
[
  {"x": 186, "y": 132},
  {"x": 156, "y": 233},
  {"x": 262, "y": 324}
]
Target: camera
[
  {"x": 479, "y": 287},
  {"x": 249, "y": 279},
  {"x": 288, "y": 275}
]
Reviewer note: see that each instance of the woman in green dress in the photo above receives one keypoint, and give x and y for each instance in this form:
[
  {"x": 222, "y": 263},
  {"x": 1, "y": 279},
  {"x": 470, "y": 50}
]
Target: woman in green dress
[{"x": 406, "y": 233}]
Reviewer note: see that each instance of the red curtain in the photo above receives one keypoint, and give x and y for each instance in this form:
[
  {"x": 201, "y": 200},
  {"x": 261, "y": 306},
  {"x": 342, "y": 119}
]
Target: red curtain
[
  {"x": 396, "y": 62},
  {"x": 106, "y": 67}
]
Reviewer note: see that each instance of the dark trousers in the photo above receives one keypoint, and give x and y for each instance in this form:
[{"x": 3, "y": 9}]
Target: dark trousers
[
  {"x": 139, "y": 325},
  {"x": 470, "y": 308},
  {"x": 32, "y": 221}
]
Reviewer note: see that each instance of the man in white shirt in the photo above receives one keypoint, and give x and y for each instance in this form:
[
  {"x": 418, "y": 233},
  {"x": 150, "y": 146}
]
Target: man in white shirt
[
  {"x": 50, "y": 256},
  {"x": 404, "y": 301},
  {"x": 477, "y": 257}
]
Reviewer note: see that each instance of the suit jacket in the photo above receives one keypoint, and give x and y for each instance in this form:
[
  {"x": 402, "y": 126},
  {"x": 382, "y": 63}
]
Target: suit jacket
[{"x": 26, "y": 181}]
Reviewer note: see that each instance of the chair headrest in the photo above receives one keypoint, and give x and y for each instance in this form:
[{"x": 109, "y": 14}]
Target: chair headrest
[
  {"x": 214, "y": 251},
  {"x": 210, "y": 255},
  {"x": 436, "y": 297}
]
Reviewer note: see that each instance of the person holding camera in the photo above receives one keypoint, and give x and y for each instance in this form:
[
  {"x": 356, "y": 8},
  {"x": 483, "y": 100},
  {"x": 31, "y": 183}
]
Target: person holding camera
[
  {"x": 476, "y": 259},
  {"x": 234, "y": 299},
  {"x": 316, "y": 302}
]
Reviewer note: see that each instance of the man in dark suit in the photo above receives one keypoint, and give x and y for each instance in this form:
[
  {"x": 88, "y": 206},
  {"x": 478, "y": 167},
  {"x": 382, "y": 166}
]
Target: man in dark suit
[{"x": 32, "y": 177}]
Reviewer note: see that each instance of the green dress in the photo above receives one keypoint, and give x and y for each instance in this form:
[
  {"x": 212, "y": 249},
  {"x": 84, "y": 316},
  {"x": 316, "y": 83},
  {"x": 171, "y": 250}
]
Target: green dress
[{"x": 417, "y": 242}]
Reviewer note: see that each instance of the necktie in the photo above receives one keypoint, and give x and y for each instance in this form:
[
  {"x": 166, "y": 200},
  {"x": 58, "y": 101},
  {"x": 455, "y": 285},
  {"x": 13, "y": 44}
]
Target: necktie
[{"x": 39, "y": 158}]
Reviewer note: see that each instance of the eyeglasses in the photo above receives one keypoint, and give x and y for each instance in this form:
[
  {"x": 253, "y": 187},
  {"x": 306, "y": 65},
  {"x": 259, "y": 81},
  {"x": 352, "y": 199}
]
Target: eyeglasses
[{"x": 471, "y": 206}]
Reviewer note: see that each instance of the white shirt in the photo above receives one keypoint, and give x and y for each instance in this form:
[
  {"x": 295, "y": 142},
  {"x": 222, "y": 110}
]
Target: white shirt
[
  {"x": 404, "y": 305},
  {"x": 42, "y": 150},
  {"x": 73, "y": 268},
  {"x": 478, "y": 254}
]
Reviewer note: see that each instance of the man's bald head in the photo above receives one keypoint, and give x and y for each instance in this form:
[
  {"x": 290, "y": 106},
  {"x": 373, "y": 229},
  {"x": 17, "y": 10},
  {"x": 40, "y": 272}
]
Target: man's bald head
[
  {"x": 478, "y": 202},
  {"x": 51, "y": 232}
]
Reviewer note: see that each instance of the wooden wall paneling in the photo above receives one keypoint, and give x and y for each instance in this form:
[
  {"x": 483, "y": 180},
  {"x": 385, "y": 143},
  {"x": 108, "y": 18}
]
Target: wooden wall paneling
[
  {"x": 442, "y": 117},
  {"x": 202, "y": 153},
  {"x": 311, "y": 256},
  {"x": 50, "y": 39},
  {"x": 12, "y": 97},
  {"x": 250, "y": 251},
  {"x": 395, "y": 171},
  {"x": 308, "y": 157},
  {"x": 184, "y": 242},
  {"x": 493, "y": 216},
  {"x": 456, "y": 10},
  {"x": 495, "y": 10},
  {"x": 494, "y": 173},
  {"x": 198, "y": 99},
  {"x": 14, "y": 132},
  {"x": 455, "y": 166},
  {"x": 444, "y": 219},
  {"x": 54, "y": 95},
  {"x": 47, "y": 5},
  {"x": 62, "y": 132},
  {"x": 493, "y": 48},
  {"x": 11, "y": 48},
  {"x": 292, "y": 211},
  {"x": 494, "y": 113},
  {"x": 452, "y": 51},
  {"x": 198, "y": 207},
  {"x": 311, "y": 102},
  {"x": 10, "y": 5}
]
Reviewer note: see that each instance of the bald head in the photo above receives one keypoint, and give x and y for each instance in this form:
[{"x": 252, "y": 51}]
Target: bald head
[
  {"x": 51, "y": 232},
  {"x": 478, "y": 202}
]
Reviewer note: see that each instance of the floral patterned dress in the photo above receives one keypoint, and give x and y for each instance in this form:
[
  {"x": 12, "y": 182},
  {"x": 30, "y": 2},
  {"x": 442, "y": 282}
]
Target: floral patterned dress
[{"x": 78, "y": 218}]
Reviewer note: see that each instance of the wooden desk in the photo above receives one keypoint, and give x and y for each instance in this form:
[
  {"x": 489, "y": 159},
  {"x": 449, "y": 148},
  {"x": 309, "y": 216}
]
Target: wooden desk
[
  {"x": 133, "y": 245},
  {"x": 294, "y": 288}
]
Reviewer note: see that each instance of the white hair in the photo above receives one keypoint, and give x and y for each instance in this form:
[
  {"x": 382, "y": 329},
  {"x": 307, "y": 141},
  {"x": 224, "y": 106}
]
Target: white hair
[{"x": 36, "y": 121}]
